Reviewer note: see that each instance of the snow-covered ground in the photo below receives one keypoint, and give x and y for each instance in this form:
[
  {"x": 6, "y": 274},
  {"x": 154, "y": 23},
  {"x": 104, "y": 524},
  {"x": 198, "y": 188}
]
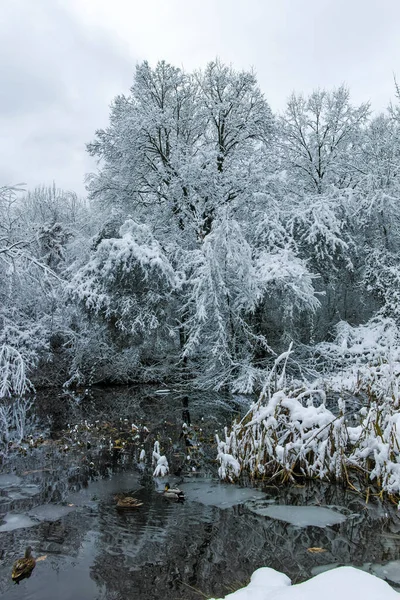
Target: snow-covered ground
[{"x": 344, "y": 583}]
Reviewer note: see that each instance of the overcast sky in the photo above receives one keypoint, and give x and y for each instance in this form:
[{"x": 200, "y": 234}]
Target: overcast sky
[{"x": 62, "y": 62}]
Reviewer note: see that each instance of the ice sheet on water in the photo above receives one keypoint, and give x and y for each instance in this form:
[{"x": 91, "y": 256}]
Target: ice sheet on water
[
  {"x": 25, "y": 491},
  {"x": 30, "y": 489},
  {"x": 50, "y": 512},
  {"x": 16, "y": 495},
  {"x": 15, "y": 521},
  {"x": 390, "y": 570},
  {"x": 214, "y": 493},
  {"x": 8, "y": 480},
  {"x": 302, "y": 516}
]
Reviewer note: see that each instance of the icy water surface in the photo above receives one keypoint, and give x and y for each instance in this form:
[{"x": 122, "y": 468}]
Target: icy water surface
[
  {"x": 302, "y": 516},
  {"x": 62, "y": 504}
]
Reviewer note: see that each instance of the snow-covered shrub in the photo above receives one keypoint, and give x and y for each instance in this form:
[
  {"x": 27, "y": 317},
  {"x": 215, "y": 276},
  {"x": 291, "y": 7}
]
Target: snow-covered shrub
[
  {"x": 94, "y": 358},
  {"x": 290, "y": 432},
  {"x": 13, "y": 378},
  {"x": 284, "y": 438},
  {"x": 128, "y": 282},
  {"x": 363, "y": 359},
  {"x": 21, "y": 345}
]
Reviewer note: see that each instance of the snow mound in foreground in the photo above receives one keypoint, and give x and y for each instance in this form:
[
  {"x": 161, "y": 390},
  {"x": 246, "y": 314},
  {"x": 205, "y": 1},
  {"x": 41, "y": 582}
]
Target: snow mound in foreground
[{"x": 345, "y": 583}]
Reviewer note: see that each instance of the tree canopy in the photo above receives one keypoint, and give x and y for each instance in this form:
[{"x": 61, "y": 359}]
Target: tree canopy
[{"x": 214, "y": 234}]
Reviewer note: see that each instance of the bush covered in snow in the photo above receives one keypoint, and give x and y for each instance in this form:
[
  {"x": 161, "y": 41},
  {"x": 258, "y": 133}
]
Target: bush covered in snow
[
  {"x": 291, "y": 433},
  {"x": 363, "y": 359}
]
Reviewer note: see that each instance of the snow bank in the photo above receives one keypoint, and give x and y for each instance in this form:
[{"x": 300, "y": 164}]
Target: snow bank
[{"x": 345, "y": 583}]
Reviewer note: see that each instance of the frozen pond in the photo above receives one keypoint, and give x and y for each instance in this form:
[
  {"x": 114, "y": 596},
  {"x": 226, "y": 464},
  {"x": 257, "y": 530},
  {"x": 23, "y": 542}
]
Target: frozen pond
[{"x": 62, "y": 503}]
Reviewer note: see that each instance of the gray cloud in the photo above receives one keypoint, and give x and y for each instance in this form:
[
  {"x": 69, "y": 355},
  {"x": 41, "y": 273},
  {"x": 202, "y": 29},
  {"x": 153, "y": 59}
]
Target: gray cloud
[
  {"x": 58, "y": 78},
  {"x": 62, "y": 62}
]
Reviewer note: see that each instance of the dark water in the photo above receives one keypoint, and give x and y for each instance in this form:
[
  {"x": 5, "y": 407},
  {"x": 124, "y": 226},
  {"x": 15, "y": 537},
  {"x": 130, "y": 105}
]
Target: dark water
[{"x": 62, "y": 502}]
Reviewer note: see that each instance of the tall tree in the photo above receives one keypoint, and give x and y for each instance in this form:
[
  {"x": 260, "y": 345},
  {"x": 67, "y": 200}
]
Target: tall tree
[
  {"x": 181, "y": 146},
  {"x": 189, "y": 155},
  {"x": 320, "y": 138}
]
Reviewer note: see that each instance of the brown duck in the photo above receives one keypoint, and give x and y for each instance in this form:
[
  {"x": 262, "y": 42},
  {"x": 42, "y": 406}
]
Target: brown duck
[
  {"x": 23, "y": 567},
  {"x": 127, "y": 502}
]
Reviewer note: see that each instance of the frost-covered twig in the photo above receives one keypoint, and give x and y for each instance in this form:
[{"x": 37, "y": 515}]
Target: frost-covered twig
[{"x": 13, "y": 377}]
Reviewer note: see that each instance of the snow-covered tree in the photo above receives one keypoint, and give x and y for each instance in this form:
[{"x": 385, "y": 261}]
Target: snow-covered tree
[
  {"x": 214, "y": 235},
  {"x": 223, "y": 289},
  {"x": 25, "y": 290},
  {"x": 320, "y": 145},
  {"x": 129, "y": 283},
  {"x": 227, "y": 281},
  {"x": 320, "y": 138},
  {"x": 38, "y": 232},
  {"x": 180, "y": 146}
]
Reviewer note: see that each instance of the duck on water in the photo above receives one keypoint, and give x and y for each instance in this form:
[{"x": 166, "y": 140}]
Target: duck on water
[{"x": 23, "y": 567}]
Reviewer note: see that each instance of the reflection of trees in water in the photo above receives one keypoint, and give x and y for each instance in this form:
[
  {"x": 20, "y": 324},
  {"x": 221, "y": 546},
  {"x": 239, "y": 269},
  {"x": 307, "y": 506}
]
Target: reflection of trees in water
[
  {"x": 55, "y": 539},
  {"x": 173, "y": 548},
  {"x": 143, "y": 404},
  {"x": 163, "y": 415},
  {"x": 162, "y": 547}
]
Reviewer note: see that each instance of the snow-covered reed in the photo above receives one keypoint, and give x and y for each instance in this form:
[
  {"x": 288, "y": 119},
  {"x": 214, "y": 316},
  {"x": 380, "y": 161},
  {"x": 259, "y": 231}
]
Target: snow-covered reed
[
  {"x": 290, "y": 433},
  {"x": 160, "y": 462},
  {"x": 282, "y": 438}
]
